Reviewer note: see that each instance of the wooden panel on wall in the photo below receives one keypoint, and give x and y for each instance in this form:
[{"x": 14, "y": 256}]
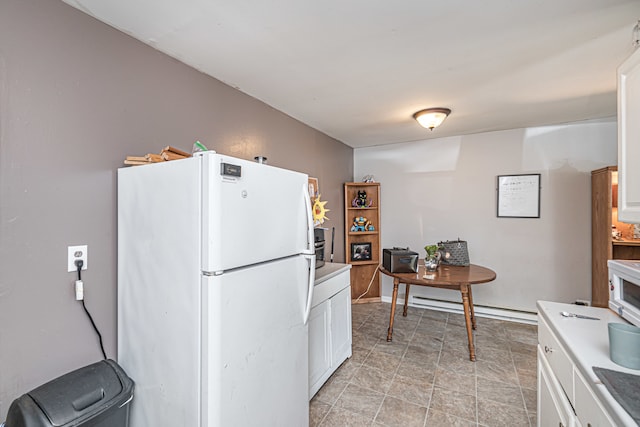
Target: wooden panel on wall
[
  {"x": 604, "y": 215},
  {"x": 363, "y": 278},
  {"x": 626, "y": 250},
  {"x": 601, "y": 201}
]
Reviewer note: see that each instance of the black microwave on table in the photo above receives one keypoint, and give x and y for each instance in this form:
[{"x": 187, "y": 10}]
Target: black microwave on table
[{"x": 400, "y": 260}]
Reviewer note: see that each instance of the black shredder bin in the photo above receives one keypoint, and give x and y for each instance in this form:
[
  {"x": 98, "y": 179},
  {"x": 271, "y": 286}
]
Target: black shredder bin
[{"x": 96, "y": 395}]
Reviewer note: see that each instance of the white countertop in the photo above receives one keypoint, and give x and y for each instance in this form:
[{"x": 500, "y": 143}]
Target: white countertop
[
  {"x": 587, "y": 342},
  {"x": 329, "y": 270}
]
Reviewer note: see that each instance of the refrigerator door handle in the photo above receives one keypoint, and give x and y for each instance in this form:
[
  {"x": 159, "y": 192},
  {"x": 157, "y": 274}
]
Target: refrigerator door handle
[
  {"x": 312, "y": 279},
  {"x": 307, "y": 204}
]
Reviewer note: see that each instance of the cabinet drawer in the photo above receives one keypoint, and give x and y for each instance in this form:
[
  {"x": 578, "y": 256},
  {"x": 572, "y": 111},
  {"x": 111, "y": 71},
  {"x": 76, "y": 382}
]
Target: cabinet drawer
[
  {"x": 557, "y": 358},
  {"x": 326, "y": 289},
  {"x": 588, "y": 409}
]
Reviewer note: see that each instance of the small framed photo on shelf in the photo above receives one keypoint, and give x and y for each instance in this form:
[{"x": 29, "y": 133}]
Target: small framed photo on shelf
[{"x": 361, "y": 251}]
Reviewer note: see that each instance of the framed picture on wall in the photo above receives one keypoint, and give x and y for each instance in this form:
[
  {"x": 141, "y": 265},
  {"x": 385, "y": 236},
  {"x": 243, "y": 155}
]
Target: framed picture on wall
[
  {"x": 518, "y": 196},
  {"x": 361, "y": 251}
]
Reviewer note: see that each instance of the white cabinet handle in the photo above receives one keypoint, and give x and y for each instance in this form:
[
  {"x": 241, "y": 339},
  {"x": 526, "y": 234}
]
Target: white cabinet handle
[{"x": 310, "y": 232}]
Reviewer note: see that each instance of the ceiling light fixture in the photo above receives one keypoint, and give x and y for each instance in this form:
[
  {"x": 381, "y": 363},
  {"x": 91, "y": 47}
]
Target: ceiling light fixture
[{"x": 431, "y": 117}]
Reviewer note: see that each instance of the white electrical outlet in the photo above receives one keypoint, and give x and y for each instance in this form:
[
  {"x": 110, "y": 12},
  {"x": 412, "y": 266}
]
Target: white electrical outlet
[{"x": 75, "y": 253}]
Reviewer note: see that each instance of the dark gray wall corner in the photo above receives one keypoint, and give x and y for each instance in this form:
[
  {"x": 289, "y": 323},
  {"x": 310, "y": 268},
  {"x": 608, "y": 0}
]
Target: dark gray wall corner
[{"x": 76, "y": 97}]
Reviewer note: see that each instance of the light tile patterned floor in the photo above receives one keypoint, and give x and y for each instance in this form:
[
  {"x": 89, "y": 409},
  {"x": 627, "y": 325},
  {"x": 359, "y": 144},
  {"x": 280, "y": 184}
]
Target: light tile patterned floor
[{"x": 424, "y": 376}]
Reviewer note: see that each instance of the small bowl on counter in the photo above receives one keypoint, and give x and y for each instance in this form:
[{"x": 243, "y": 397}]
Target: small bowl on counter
[{"x": 624, "y": 345}]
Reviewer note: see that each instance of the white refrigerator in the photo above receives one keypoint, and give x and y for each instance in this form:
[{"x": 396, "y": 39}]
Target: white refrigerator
[{"x": 216, "y": 269}]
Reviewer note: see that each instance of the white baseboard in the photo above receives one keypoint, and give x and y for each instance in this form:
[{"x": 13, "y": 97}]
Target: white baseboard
[{"x": 480, "y": 310}]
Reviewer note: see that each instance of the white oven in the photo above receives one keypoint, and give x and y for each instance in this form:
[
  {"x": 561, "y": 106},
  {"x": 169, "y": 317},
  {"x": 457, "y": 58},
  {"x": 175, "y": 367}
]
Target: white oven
[{"x": 624, "y": 289}]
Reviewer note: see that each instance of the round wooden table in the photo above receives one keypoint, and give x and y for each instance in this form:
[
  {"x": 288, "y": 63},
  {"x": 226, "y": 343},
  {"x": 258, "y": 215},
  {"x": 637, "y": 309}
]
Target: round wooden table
[{"x": 445, "y": 277}]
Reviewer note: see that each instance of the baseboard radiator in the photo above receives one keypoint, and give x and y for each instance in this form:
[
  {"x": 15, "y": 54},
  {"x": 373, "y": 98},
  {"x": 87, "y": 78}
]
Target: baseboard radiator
[{"x": 500, "y": 313}]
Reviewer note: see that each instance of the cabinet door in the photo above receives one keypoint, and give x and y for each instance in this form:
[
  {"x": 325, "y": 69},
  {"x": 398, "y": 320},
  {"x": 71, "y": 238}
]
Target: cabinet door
[
  {"x": 629, "y": 139},
  {"x": 588, "y": 408},
  {"x": 341, "y": 326},
  {"x": 319, "y": 345},
  {"x": 553, "y": 406}
]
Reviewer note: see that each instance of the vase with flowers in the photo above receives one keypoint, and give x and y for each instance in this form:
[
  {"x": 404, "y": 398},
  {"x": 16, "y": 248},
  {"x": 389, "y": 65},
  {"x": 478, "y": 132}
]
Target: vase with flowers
[{"x": 432, "y": 259}]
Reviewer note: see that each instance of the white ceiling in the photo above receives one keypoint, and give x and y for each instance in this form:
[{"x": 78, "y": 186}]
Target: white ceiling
[{"x": 358, "y": 69}]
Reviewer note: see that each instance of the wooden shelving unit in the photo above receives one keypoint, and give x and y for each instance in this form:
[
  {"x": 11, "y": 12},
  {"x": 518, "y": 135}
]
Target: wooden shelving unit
[
  {"x": 604, "y": 214},
  {"x": 363, "y": 272}
]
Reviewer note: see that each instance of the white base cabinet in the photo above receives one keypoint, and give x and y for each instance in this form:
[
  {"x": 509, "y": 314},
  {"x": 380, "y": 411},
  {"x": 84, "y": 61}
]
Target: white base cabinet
[
  {"x": 569, "y": 392},
  {"x": 329, "y": 329}
]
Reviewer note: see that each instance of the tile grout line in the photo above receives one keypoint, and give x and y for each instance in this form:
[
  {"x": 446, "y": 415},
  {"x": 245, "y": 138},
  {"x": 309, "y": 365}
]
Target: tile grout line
[
  {"x": 433, "y": 386},
  {"x": 395, "y": 372},
  {"x": 374, "y": 317},
  {"x": 349, "y": 380},
  {"x": 475, "y": 376},
  {"x": 524, "y": 402}
]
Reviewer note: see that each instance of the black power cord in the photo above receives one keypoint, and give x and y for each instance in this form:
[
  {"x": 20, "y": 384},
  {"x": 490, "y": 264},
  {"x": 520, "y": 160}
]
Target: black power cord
[{"x": 79, "y": 263}]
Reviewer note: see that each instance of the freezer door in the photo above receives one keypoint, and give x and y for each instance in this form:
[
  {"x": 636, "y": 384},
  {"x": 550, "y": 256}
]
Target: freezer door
[
  {"x": 255, "y": 345},
  {"x": 252, "y": 213}
]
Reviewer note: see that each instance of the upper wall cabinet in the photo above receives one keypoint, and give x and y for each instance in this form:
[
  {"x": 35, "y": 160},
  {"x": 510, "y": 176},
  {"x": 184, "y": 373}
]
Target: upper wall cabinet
[{"x": 629, "y": 139}]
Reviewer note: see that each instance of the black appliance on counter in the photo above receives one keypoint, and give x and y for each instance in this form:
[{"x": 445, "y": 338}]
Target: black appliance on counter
[
  {"x": 400, "y": 260},
  {"x": 319, "y": 243}
]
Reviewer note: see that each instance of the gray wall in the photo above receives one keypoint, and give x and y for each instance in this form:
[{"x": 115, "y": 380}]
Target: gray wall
[
  {"x": 445, "y": 188},
  {"x": 76, "y": 97}
]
